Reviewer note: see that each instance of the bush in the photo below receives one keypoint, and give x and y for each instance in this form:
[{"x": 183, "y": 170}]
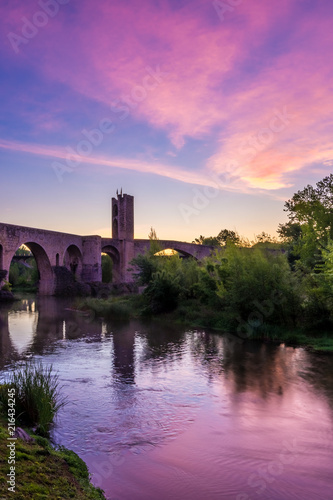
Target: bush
[
  {"x": 250, "y": 279},
  {"x": 162, "y": 292},
  {"x": 37, "y": 397}
]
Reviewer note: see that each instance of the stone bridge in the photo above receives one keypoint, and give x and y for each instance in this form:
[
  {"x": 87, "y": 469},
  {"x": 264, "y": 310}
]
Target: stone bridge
[
  {"x": 82, "y": 255},
  {"x": 123, "y": 251},
  {"x": 79, "y": 254}
]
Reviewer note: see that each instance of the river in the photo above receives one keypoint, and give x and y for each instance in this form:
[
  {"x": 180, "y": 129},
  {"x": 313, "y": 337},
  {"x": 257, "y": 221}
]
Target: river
[{"x": 159, "y": 412}]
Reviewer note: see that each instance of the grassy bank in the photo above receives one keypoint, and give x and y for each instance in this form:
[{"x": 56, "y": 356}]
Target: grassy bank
[
  {"x": 44, "y": 473},
  {"x": 30, "y": 396},
  {"x": 192, "y": 313}
]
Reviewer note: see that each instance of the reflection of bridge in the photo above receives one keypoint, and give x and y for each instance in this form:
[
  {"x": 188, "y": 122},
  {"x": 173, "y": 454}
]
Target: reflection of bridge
[{"x": 82, "y": 254}]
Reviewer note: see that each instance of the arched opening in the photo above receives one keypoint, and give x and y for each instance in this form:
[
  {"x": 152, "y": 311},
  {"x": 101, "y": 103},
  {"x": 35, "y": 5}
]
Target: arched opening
[
  {"x": 107, "y": 265},
  {"x": 168, "y": 252},
  {"x": 31, "y": 269},
  {"x": 57, "y": 259},
  {"x": 115, "y": 210},
  {"x": 23, "y": 271},
  {"x": 73, "y": 260},
  {"x": 113, "y": 253}
]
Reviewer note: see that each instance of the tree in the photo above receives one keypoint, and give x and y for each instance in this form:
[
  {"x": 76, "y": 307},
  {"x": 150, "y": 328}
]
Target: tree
[
  {"x": 290, "y": 232},
  {"x": 265, "y": 238},
  {"x": 155, "y": 247},
  {"x": 310, "y": 225},
  {"x": 225, "y": 236},
  {"x": 312, "y": 209}
]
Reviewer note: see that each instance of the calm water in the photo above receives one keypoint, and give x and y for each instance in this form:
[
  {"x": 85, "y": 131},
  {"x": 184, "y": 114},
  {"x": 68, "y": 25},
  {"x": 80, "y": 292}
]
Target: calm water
[{"x": 158, "y": 412}]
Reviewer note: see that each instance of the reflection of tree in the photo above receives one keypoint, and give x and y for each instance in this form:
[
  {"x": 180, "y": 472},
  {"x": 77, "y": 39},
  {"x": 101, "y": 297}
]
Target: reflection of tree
[
  {"x": 257, "y": 367},
  {"x": 164, "y": 341},
  {"x": 7, "y": 350},
  {"x": 244, "y": 366},
  {"x": 157, "y": 342},
  {"x": 207, "y": 350},
  {"x": 320, "y": 374}
]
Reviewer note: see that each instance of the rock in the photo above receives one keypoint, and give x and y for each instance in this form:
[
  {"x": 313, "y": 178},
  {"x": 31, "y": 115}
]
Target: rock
[
  {"x": 20, "y": 433},
  {"x": 6, "y": 296}
]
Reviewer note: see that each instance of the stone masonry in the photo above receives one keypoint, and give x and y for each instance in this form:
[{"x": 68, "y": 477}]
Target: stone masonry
[{"x": 81, "y": 255}]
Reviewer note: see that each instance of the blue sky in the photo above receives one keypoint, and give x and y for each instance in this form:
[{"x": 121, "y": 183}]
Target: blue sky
[{"x": 211, "y": 114}]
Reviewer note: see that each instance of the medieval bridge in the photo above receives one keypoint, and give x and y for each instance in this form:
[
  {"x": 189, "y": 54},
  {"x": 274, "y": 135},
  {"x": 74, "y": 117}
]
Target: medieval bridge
[{"x": 82, "y": 255}]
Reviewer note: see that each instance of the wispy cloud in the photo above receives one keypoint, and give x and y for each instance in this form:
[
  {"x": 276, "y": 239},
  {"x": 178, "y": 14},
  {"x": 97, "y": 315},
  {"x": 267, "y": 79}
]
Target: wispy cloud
[
  {"x": 226, "y": 82},
  {"x": 99, "y": 161}
]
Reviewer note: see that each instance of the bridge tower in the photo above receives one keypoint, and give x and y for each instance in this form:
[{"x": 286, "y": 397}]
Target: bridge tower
[{"x": 123, "y": 217}]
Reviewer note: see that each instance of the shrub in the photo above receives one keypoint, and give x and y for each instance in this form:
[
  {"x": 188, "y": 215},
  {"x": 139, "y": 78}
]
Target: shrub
[
  {"x": 248, "y": 279},
  {"x": 162, "y": 292}
]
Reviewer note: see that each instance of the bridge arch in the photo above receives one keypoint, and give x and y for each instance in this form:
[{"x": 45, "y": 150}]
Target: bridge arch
[
  {"x": 113, "y": 252},
  {"x": 73, "y": 260},
  {"x": 46, "y": 276},
  {"x": 182, "y": 253}
]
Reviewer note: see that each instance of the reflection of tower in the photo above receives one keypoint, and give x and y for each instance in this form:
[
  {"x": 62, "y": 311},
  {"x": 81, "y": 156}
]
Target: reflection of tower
[
  {"x": 123, "y": 217},
  {"x": 124, "y": 357}
]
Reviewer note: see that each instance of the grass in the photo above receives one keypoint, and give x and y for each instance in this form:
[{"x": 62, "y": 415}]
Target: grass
[
  {"x": 118, "y": 308},
  {"x": 37, "y": 395},
  {"x": 44, "y": 473},
  {"x": 41, "y": 472}
]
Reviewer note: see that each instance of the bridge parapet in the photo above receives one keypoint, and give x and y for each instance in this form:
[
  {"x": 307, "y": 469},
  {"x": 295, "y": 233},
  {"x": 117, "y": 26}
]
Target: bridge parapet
[{"x": 188, "y": 249}]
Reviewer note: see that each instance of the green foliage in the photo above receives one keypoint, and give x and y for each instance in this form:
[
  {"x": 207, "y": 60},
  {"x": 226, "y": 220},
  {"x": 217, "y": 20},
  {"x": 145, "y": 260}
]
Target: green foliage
[
  {"x": 24, "y": 275},
  {"x": 115, "y": 308},
  {"x": 154, "y": 244},
  {"x": 237, "y": 282},
  {"x": 224, "y": 237},
  {"x": 162, "y": 292},
  {"x": 6, "y": 287},
  {"x": 43, "y": 472},
  {"x": 37, "y": 395},
  {"x": 106, "y": 269},
  {"x": 145, "y": 266},
  {"x": 310, "y": 225},
  {"x": 250, "y": 281}
]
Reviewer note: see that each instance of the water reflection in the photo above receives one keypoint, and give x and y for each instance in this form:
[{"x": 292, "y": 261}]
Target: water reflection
[
  {"x": 124, "y": 357},
  {"x": 159, "y": 412}
]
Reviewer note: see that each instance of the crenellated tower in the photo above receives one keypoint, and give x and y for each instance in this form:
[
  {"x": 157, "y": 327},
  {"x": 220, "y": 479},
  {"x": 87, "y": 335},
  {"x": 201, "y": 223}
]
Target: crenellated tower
[{"x": 123, "y": 217}]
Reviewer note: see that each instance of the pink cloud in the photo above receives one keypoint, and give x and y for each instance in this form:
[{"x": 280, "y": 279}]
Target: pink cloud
[{"x": 105, "y": 54}]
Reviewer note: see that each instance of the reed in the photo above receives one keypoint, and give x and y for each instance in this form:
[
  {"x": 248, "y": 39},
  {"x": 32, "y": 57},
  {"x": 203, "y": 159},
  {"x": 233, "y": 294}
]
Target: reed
[{"x": 37, "y": 395}]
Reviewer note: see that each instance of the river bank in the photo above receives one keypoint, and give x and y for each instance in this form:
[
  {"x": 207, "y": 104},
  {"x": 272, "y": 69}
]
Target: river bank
[
  {"x": 40, "y": 471},
  {"x": 194, "y": 314}
]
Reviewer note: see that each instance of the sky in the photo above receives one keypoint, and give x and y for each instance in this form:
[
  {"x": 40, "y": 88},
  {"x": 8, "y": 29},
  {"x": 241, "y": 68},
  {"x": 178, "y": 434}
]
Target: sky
[{"x": 210, "y": 113}]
